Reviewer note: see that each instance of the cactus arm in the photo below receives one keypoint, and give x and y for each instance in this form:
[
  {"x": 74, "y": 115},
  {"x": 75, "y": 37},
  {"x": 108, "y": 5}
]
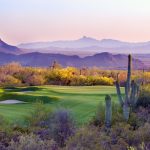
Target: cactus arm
[
  {"x": 133, "y": 93},
  {"x": 128, "y": 82},
  {"x": 119, "y": 93},
  {"x": 126, "y": 94},
  {"x": 108, "y": 111},
  {"x": 129, "y": 73}
]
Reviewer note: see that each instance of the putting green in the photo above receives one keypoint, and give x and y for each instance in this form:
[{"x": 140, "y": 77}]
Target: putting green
[{"x": 81, "y": 100}]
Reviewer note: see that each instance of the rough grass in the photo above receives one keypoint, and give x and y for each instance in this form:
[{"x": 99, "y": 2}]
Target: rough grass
[{"x": 81, "y": 100}]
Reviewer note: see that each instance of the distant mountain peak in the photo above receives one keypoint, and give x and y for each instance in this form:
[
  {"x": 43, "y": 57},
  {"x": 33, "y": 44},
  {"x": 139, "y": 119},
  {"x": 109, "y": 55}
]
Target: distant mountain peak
[{"x": 87, "y": 39}]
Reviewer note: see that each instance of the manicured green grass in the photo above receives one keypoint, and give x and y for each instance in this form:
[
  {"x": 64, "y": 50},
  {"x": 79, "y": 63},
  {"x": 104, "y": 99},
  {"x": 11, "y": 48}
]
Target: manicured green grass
[{"x": 81, "y": 100}]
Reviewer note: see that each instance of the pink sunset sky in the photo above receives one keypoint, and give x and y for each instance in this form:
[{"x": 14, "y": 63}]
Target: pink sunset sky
[{"x": 47, "y": 20}]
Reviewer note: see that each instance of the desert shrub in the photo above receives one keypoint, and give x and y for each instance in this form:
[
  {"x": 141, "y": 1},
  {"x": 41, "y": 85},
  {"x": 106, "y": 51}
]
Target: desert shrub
[
  {"x": 61, "y": 125},
  {"x": 35, "y": 80},
  {"x": 8, "y": 80},
  {"x": 144, "y": 98},
  {"x": 11, "y": 68},
  {"x": 134, "y": 121},
  {"x": 4, "y": 140},
  {"x": 32, "y": 142},
  {"x": 53, "y": 77},
  {"x": 143, "y": 133},
  {"x": 143, "y": 115},
  {"x": 43, "y": 133},
  {"x": 122, "y": 78},
  {"x": 88, "y": 138},
  {"x": 117, "y": 114},
  {"x": 105, "y": 81},
  {"x": 24, "y": 74},
  {"x": 6, "y": 134},
  {"x": 31, "y": 76},
  {"x": 96, "y": 80},
  {"x": 67, "y": 75},
  {"x": 85, "y": 139},
  {"x": 141, "y": 138},
  {"x": 146, "y": 77},
  {"x": 142, "y": 146},
  {"x": 81, "y": 80},
  {"x": 99, "y": 117},
  {"x": 124, "y": 134}
]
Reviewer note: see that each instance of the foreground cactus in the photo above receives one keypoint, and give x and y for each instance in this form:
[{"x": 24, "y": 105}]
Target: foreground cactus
[
  {"x": 108, "y": 111},
  {"x": 131, "y": 92}
]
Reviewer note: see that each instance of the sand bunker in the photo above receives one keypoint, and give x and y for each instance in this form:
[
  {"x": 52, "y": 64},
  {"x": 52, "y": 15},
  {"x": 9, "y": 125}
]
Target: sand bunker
[{"x": 12, "y": 102}]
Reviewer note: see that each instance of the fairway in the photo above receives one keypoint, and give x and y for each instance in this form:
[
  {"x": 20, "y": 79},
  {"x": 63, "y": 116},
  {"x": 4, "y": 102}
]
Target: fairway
[{"x": 81, "y": 100}]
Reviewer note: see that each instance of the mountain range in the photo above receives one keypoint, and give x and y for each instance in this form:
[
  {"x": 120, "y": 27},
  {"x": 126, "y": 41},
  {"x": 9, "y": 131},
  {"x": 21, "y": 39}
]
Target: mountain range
[
  {"x": 87, "y": 46},
  {"x": 106, "y": 60},
  {"x": 102, "y": 60}
]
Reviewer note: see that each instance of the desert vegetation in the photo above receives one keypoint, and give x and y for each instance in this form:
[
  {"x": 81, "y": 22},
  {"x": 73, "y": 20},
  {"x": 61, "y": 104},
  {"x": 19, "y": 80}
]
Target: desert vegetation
[{"x": 13, "y": 75}]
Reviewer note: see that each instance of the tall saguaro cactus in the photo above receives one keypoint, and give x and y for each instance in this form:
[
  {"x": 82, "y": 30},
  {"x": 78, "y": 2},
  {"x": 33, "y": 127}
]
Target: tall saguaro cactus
[
  {"x": 131, "y": 92},
  {"x": 129, "y": 73},
  {"x": 108, "y": 111}
]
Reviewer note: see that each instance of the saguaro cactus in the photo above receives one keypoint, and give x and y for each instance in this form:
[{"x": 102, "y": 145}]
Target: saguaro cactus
[
  {"x": 131, "y": 92},
  {"x": 108, "y": 111},
  {"x": 129, "y": 73},
  {"x": 126, "y": 111}
]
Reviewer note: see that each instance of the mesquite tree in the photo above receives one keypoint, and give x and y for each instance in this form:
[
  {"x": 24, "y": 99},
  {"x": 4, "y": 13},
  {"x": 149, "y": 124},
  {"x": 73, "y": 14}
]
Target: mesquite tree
[{"x": 128, "y": 103}]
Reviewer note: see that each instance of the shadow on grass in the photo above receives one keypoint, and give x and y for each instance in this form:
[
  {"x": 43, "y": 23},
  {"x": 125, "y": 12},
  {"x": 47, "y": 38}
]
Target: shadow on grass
[
  {"x": 28, "y": 98},
  {"x": 22, "y": 89}
]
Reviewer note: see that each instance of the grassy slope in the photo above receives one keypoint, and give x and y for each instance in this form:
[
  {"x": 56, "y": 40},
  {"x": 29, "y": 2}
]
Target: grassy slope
[{"x": 83, "y": 101}]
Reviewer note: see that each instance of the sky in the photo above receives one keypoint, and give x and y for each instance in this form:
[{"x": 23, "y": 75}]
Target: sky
[{"x": 24, "y": 21}]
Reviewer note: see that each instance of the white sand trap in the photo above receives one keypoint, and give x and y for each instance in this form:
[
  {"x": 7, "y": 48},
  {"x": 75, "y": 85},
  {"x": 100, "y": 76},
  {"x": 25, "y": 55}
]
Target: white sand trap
[{"x": 12, "y": 102}]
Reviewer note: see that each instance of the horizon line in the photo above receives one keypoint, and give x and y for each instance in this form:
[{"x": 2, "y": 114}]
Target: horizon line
[{"x": 75, "y": 39}]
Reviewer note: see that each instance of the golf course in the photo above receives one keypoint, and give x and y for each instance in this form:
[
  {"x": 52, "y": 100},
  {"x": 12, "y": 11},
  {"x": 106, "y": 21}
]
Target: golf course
[{"x": 81, "y": 100}]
